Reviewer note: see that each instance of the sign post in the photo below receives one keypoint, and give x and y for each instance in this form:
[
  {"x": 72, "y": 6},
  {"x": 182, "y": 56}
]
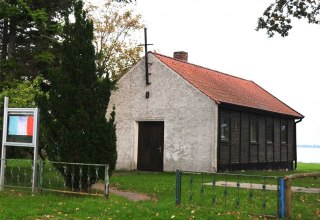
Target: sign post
[
  {"x": 3, "y": 149},
  {"x": 20, "y": 129}
]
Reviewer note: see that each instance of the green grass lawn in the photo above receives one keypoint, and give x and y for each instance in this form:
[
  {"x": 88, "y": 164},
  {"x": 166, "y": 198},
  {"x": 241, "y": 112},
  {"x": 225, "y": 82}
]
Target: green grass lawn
[{"x": 22, "y": 204}]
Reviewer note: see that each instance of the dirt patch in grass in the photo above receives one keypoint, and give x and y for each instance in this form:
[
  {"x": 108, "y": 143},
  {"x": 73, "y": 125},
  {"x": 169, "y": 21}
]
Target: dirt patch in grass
[{"x": 132, "y": 196}]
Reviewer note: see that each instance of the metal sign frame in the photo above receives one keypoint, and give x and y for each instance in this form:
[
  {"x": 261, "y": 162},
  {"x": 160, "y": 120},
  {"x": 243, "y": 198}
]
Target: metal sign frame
[
  {"x": 25, "y": 112},
  {"x": 34, "y": 143}
]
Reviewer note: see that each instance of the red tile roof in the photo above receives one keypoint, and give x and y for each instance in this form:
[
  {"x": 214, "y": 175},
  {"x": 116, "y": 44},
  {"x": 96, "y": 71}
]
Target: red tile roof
[{"x": 224, "y": 88}]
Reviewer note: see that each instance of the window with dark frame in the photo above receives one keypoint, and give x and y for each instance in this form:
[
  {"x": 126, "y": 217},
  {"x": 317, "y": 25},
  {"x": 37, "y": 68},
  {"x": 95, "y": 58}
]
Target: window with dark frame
[
  {"x": 269, "y": 130},
  {"x": 254, "y": 130},
  {"x": 235, "y": 125},
  {"x": 284, "y": 132},
  {"x": 224, "y": 128}
]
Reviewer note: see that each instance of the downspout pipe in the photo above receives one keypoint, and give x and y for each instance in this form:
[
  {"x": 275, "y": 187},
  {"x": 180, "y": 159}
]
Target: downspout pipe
[{"x": 295, "y": 153}]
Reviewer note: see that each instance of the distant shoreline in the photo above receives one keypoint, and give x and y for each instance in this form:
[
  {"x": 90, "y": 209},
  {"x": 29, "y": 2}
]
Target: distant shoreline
[{"x": 309, "y": 146}]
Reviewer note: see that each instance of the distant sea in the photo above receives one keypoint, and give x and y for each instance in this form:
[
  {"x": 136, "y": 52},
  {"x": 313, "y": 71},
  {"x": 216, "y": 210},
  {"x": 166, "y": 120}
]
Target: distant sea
[{"x": 308, "y": 153}]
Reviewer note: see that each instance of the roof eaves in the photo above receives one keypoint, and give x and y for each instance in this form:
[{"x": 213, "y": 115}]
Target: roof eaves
[{"x": 259, "y": 110}]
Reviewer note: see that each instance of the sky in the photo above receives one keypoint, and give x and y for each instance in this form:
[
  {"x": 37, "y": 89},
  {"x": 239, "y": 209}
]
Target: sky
[{"x": 221, "y": 35}]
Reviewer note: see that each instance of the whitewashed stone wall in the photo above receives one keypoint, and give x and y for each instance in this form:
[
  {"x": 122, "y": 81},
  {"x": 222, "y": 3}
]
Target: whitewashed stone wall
[{"x": 190, "y": 118}]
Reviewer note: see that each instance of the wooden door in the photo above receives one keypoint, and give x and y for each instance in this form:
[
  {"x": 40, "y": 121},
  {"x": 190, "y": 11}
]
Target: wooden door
[{"x": 150, "y": 146}]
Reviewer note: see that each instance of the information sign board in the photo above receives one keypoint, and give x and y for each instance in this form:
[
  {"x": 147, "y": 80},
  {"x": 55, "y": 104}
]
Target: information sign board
[{"x": 20, "y": 128}]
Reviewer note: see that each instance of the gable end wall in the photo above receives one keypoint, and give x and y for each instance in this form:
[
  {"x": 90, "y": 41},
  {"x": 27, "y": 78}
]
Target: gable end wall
[{"x": 190, "y": 118}]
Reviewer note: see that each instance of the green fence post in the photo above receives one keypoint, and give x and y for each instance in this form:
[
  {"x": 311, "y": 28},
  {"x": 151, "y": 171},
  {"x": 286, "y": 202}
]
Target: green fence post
[
  {"x": 40, "y": 176},
  {"x": 178, "y": 187},
  {"x": 278, "y": 197}
]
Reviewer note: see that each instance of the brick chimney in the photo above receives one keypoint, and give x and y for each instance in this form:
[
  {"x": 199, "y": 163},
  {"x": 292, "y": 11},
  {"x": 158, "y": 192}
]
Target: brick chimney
[{"x": 181, "y": 55}]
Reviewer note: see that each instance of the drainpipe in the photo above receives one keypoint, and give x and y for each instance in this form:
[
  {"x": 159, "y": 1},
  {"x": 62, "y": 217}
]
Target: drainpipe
[{"x": 295, "y": 155}]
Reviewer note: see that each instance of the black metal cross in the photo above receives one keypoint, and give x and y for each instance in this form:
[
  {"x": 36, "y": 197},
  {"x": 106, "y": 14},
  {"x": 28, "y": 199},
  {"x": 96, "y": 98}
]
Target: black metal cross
[{"x": 146, "y": 56}]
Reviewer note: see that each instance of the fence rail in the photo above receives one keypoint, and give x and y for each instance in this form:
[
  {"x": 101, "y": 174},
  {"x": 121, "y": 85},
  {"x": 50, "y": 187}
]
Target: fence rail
[
  {"x": 253, "y": 194},
  {"x": 58, "y": 176}
]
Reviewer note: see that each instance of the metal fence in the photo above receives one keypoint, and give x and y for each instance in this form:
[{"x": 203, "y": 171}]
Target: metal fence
[
  {"x": 224, "y": 192},
  {"x": 64, "y": 177},
  {"x": 18, "y": 173}
]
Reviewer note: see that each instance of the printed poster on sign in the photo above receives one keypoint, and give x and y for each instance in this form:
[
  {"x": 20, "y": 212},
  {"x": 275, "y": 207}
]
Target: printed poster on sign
[{"x": 20, "y": 128}]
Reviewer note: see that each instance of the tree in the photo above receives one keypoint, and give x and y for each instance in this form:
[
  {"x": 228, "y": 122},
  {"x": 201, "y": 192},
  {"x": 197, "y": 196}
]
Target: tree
[
  {"x": 115, "y": 25},
  {"x": 76, "y": 127},
  {"x": 277, "y": 17},
  {"x": 29, "y": 47},
  {"x": 28, "y": 36}
]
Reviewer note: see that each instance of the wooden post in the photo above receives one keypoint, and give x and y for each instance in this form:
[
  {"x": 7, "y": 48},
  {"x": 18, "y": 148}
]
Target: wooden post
[
  {"x": 288, "y": 183},
  {"x": 288, "y": 213}
]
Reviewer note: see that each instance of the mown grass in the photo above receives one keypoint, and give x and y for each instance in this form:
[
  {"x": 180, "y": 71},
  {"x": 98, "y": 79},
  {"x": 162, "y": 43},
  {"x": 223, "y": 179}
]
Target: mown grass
[
  {"x": 308, "y": 167},
  {"x": 22, "y": 204}
]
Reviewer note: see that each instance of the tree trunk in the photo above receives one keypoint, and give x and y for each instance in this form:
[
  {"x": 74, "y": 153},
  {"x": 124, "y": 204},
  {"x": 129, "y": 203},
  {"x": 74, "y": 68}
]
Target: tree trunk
[
  {"x": 12, "y": 39},
  {"x": 4, "y": 40}
]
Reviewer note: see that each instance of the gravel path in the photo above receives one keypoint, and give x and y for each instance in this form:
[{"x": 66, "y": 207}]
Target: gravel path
[{"x": 268, "y": 187}]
